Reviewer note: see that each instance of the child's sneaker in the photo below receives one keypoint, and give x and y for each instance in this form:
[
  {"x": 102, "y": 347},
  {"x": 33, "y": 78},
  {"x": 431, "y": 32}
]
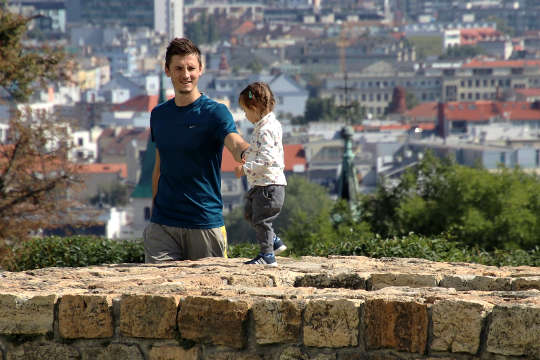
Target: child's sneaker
[
  {"x": 279, "y": 246},
  {"x": 266, "y": 259}
]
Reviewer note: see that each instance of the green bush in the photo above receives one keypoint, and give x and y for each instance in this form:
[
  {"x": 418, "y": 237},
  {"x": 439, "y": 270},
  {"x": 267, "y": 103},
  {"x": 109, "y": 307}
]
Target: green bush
[
  {"x": 75, "y": 251},
  {"x": 245, "y": 250},
  {"x": 475, "y": 207}
]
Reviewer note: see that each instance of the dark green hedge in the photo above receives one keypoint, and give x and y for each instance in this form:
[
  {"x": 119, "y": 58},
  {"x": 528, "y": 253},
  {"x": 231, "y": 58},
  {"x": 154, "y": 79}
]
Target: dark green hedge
[
  {"x": 411, "y": 246},
  {"x": 76, "y": 251}
]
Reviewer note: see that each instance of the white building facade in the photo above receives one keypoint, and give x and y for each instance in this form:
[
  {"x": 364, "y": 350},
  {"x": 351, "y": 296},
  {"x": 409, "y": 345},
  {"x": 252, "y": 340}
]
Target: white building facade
[{"x": 169, "y": 17}]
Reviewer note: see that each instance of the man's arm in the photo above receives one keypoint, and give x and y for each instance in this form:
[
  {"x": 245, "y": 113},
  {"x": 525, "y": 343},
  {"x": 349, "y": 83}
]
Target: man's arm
[
  {"x": 155, "y": 177},
  {"x": 236, "y": 145}
]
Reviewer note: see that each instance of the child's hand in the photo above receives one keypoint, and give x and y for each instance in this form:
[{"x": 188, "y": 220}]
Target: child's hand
[{"x": 239, "y": 171}]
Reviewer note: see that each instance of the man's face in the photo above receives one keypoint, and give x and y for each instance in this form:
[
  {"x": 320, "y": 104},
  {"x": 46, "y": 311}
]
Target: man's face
[{"x": 184, "y": 72}]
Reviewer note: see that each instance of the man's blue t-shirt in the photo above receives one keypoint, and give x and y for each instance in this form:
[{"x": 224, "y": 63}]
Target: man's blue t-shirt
[{"x": 190, "y": 142}]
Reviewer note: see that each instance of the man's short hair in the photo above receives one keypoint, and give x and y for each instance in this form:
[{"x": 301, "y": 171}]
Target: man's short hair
[{"x": 182, "y": 47}]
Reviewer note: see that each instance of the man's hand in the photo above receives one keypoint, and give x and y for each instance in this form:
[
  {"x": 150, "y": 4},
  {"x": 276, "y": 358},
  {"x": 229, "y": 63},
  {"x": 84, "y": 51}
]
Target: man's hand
[{"x": 239, "y": 171}]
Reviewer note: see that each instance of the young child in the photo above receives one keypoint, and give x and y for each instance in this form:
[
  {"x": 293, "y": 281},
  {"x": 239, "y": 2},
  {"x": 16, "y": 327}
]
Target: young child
[{"x": 263, "y": 165}]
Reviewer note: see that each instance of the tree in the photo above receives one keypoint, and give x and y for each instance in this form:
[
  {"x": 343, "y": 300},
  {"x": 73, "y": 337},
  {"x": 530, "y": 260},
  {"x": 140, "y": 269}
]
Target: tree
[
  {"x": 205, "y": 30},
  {"x": 24, "y": 69},
  {"x": 318, "y": 109},
  {"x": 461, "y": 52},
  {"x": 114, "y": 194},
  {"x": 304, "y": 202},
  {"x": 35, "y": 174},
  {"x": 473, "y": 206},
  {"x": 410, "y": 100}
]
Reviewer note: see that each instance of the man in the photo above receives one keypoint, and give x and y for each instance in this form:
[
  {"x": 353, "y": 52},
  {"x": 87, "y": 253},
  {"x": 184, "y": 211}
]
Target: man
[{"x": 190, "y": 132}]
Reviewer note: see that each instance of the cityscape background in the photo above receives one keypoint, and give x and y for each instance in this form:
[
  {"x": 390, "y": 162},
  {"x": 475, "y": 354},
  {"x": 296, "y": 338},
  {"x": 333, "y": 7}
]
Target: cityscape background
[{"x": 459, "y": 78}]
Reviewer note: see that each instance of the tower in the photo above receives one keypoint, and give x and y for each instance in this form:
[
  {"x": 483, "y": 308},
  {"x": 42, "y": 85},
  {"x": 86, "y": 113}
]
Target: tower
[{"x": 169, "y": 17}]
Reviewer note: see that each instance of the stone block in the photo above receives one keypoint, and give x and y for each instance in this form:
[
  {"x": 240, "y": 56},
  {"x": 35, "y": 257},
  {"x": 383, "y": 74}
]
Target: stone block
[
  {"x": 277, "y": 321},
  {"x": 332, "y": 323},
  {"x": 293, "y": 353},
  {"x": 476, "y": 282},
  {"x": 526, "y": 283},
  {"x": 457, "y": 325},
  {"x": 26, "y": 315},
  {"x": 381, "y": 280},
  {"x": 214, "y": 320},
  {"x": 43, "y": 351},
  {"x": 400, "y": 324},
  {"x": 148, "y": 316},
  {"x": 85, "y": 317},
  {"x": 342, "y": 280},
  {"x": 113, "y": 351},
  {"x": 167, "y": 352},
  {"x": 515, "y": 331},
  {"x": 229, "y": 355}
]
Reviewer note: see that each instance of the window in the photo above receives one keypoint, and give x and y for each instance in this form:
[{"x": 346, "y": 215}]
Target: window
[{"x": 80, "y": 141}]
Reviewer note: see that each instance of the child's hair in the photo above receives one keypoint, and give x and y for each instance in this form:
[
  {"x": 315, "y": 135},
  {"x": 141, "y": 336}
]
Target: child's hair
[
  {"x": 257, "y": 95},
  {"x": 182, "y": 47}
]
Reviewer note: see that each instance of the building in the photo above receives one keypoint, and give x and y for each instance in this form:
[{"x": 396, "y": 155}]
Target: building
[
  {"x": 49, "y": 17},
  {"x": 129, "y": 13},
  {"x": 169, "y": 18}
]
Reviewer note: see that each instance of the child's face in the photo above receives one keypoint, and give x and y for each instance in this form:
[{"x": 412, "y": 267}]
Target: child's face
[{"x": 253, "y": 115}]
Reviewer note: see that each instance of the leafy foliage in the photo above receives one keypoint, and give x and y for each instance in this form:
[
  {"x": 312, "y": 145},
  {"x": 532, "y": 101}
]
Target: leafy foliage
[
  {"x": 75, "y": 251},
  {"x": 318, "y": 109},
  {"x": 23, "y": 69},
  {"x": 34, "y": 176},
  {"x": 304, "y": 201},
  {"x": 472, "y": 206},
  {"x": 461, "y": 52},
  {"x": 114, "y": 194},
  {"x": 34, "y": 171},
  {"x": 203, "y": 31}
]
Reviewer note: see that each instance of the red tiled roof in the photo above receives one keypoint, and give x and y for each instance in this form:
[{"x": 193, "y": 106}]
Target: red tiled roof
[
  {"x": 478, "y": 111},
  {"x": 423, "y": 111},
  {"x": 472, "y": 36},
  {"x": 141, "y": 103},
  {"x": 502, "y": 63},
  {"x": 104, "y": 169},
  {"x": 398, "y": 35},
  {"x": 528, "y": 92},
  {"x": 294, "y": 155},
  {"x": 243, "y": 29}
]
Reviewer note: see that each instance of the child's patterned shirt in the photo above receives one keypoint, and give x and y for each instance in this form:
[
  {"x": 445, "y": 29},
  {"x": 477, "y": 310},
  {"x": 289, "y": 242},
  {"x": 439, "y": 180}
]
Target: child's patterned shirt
[{"x": 264, "y": 158}]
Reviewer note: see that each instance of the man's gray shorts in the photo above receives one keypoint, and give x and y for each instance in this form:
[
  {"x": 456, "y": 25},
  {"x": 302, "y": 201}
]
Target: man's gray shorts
[{"x": 169, "y": 243}]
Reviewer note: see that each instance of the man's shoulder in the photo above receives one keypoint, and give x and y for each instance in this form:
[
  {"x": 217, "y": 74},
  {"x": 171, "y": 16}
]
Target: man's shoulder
[
  {"x": 213, "y": 106},
  {"x": 163, "y": 107}
]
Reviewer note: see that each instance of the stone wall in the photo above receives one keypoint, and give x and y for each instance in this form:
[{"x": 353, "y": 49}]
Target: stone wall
[{"x": 337, "y": 308}]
